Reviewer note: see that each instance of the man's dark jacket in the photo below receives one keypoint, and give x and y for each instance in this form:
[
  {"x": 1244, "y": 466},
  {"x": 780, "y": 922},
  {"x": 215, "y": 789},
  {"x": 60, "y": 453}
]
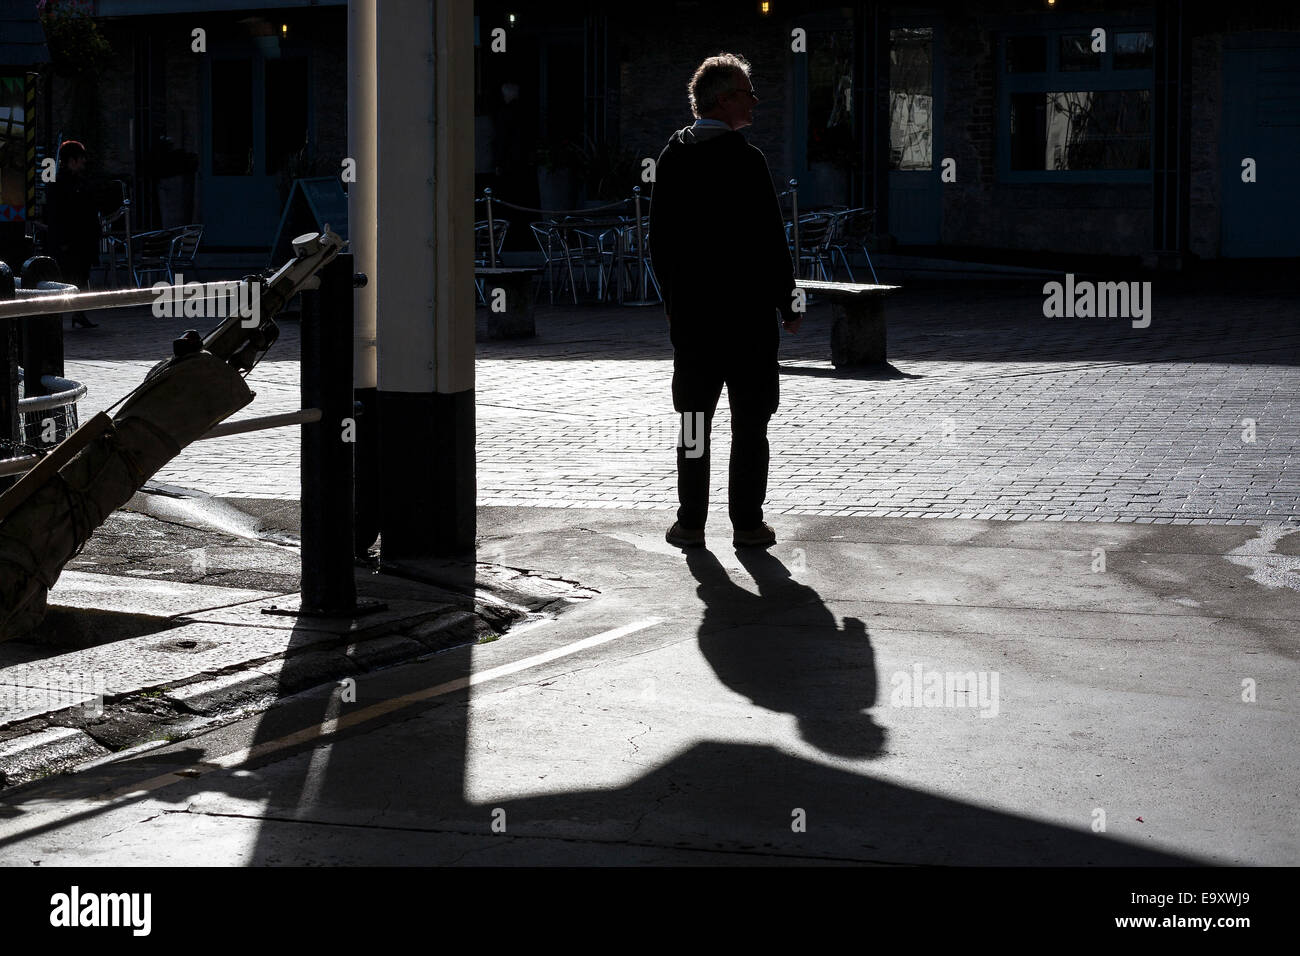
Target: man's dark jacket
[
  {"x": 717, "y": 242},
  {"x": 73, "y": 218}
]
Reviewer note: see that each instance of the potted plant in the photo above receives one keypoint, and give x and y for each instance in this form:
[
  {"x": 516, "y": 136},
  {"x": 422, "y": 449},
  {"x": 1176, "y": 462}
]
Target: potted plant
[{"x": 77, "y": 47}]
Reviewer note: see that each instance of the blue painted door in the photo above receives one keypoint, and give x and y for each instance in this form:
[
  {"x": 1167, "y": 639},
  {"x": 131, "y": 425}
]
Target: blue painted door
[
  {"x": 1261, "y": 121},
  {"x": 915, "y": 135},
  {"x": 256, "y": 119}
]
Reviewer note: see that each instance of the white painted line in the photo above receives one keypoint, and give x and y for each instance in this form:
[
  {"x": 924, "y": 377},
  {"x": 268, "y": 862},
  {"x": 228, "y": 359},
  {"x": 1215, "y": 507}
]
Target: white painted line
[
  {"x": 397, "y": 703},
  {"x": 32, "y": 819}
]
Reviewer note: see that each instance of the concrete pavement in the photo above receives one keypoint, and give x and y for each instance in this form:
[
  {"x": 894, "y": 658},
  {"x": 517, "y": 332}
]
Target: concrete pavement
[
  {"x": 902, "y": 679},
  {"x": 871, "y": 690}
]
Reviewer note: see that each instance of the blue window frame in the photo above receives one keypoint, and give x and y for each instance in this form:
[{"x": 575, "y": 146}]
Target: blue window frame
[{"x": 1067, "y": 114}]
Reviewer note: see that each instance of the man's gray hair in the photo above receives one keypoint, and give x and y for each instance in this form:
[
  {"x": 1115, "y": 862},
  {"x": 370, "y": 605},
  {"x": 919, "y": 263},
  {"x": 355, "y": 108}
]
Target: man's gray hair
[{"x": 713, "y": 78}]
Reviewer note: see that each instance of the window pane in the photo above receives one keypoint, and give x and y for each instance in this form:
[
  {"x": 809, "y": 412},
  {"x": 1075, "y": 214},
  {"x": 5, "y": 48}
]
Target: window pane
[
  {"x": 1026, "y": 54},
  {"x": 1028, "y": 130},
  {"x": 1133, "y": 51},
  {"x": 232, "y": 118},
  {"x": 830, "y": 97},
  {"x": 911, "y": 120},
  {"x": 1076, "y": 53},
  {"x": 1082, "y": 129},
  {"x": 286, "y": 110}
]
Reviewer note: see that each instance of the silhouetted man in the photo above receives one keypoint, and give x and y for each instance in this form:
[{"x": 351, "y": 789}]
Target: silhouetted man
[
  {"x": 73, "y": 220},
  {"x": 717, "y": 242}
]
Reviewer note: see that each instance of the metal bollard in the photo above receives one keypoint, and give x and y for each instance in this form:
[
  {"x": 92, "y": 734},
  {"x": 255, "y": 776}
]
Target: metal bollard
[
  {"x": 642, "y": 275},
  {"x": 492, "y": 235},
  {"x": 794, "y": 212},
  {"x": 42, "y": 334},
  {"x": 9, "y": 430},
  {"x": 328, "y": 449}
]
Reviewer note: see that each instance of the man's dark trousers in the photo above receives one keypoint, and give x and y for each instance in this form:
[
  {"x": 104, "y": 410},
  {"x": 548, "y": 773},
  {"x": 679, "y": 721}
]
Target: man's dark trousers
[{"x": 753, "y": 390}]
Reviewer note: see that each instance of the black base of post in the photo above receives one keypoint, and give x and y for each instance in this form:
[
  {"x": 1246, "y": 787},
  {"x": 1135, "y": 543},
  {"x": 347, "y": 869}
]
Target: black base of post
[
  {"x": 429, "y": 495},
  {"x": 366, "y": 462}
]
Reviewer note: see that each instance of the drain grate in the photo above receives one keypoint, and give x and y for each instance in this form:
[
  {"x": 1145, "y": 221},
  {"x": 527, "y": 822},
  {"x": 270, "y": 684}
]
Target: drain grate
[{"x": 185, "y": 646}]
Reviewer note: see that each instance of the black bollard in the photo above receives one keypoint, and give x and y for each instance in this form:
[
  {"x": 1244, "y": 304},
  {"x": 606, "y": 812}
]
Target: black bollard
[
  {"x": 328, "y": 583},
  {"x": 42, "y": 334},
  {"x": 9, "y": 430}
]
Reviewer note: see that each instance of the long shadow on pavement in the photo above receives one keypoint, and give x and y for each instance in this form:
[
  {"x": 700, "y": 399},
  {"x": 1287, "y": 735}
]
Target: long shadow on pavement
[
  {"x": 422, "y": 785},
  {"x": 713, "y": 800}
]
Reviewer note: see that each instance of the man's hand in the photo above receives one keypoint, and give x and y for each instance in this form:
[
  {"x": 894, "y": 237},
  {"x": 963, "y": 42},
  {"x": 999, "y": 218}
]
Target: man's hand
[{"x": 792, "y": 325}]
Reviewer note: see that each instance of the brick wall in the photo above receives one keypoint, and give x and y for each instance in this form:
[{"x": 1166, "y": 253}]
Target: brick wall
[
  {"x": 980, "y": 211},
  {"x": 329, "y": 86},
  {"x": 658, "y": 57},
  {"x": 1205, "y": 89}
]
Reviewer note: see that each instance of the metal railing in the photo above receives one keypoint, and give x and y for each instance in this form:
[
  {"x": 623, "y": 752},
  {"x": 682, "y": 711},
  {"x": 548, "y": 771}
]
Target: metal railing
[{"x": 327, "y": 465}]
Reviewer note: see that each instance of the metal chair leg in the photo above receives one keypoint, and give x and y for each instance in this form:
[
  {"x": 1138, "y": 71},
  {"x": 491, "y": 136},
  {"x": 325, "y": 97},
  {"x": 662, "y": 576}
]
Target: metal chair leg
[{"x": 869, "y": 265}]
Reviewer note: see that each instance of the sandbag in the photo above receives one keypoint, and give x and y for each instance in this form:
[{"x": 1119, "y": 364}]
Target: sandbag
[{"x": 56, "y": 513}]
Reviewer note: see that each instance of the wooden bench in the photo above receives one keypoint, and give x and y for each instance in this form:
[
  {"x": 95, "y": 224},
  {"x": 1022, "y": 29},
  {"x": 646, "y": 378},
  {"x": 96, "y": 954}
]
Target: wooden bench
[
  {"x": 517, "y": 320},
  {"x": 858, "y": 313}
]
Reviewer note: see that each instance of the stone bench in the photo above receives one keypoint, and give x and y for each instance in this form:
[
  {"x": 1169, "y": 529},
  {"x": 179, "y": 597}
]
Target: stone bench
[
  {"x": 858, "y": 313},
  {"x": 517, "y": 320}
]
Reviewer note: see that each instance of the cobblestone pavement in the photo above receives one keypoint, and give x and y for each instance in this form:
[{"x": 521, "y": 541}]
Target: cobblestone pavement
[{"x": 991, "y": 411}]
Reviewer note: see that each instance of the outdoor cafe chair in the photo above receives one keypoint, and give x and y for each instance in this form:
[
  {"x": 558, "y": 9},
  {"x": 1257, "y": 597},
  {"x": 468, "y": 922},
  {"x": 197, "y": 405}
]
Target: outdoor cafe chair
[
  {"x": 609, "y": 245},
  {"x": 184, "y": 249},
  {"x": 815, "y": 235},
  {"x": 552, "y": 243},
  {"x": 635, "y": 259},
  {"x": 584, "y": 251},
  {"x": 852, "y": 230},
  {"x": 151, "y": 251},
  {"x": 482, "y": 250},
  {"x": 166, "y": 251}
]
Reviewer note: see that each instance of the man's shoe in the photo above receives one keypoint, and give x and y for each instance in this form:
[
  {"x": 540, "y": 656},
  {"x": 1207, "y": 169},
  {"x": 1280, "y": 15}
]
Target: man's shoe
[
  {"x": 680, "y": 537},
  {"x": 764, "y": 536}
]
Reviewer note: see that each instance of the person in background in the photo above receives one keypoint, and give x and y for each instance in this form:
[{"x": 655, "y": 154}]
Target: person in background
[
  {"x": 73, "y": 220},
  {"x": 717, "y": 242}
]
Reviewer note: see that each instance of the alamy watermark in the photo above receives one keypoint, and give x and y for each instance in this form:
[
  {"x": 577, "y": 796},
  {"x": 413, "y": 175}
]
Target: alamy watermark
[
  {"x": 75, "y": 908},
  {"x": 921, "y": 688},
  {"x": 688, "y": 430},
  {"x": 40, "y": 688},
  {"x": 192, "y": 300},
  {"x": 1086, "y": 300}
]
